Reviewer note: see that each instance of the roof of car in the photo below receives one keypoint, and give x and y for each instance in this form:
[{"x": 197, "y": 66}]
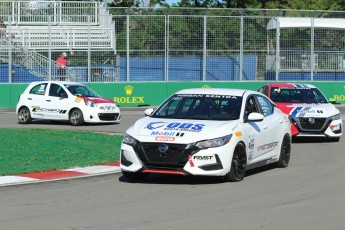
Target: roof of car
[
  {"x": 217, "y": 91},
  {"x": 290, "y": 85},
  {"x": 62, "y": 82}
]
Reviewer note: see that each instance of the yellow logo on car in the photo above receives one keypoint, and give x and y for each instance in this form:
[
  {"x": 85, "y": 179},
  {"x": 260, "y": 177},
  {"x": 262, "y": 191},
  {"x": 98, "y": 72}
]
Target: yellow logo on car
[{"x": 238, "y": 134}]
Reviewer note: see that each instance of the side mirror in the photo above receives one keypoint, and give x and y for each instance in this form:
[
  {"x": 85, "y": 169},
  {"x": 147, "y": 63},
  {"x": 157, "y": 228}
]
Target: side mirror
[
  {"x": 255, "y": 117},
  {"x": 333, "y": 101},
  {"x": 148, "y": 112}
]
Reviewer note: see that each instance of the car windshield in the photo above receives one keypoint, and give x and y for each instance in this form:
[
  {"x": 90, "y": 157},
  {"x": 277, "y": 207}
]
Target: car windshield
[
  {"x": 200, "y": 107},
  {"x": 81, "y": 91},
  {"x": 297, "y": 95}
]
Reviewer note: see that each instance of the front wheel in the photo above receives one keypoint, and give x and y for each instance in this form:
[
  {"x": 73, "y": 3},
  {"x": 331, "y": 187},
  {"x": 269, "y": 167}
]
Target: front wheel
[
  {"x": 24, "y": 116},
  {"x": 76, "y": 117},
  {"x": 285, "y": 151},
  {"x": 238, "y": 164}
]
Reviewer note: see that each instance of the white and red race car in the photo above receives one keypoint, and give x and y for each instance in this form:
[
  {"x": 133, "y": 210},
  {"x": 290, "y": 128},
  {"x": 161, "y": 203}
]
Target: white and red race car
[
  {"x": 207, "y": 132},
  {"x": 69, "y": 101},
  {"x": 311, "y": 114}
]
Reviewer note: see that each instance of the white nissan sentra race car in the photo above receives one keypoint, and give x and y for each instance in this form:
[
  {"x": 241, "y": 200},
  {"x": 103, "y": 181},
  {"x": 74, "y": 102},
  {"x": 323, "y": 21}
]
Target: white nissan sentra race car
[
  {"x": 73, "y": 102},
  {"x": 311, "y": 114},
  {"x": 207, "y": 132}
]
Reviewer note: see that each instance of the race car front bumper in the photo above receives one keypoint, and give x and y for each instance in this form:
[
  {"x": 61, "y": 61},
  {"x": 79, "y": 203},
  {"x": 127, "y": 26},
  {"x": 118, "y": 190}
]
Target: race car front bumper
[{"x": 206, "y": 162}]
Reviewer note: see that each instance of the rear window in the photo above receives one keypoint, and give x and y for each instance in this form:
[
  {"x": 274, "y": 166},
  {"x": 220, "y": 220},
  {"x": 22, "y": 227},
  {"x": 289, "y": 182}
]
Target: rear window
[{"x": 39, "y": 89}]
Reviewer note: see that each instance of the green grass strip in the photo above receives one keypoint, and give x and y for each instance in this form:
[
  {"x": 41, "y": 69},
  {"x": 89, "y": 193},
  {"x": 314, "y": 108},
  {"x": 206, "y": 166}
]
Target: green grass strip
[{"x": 37, "y": 150}]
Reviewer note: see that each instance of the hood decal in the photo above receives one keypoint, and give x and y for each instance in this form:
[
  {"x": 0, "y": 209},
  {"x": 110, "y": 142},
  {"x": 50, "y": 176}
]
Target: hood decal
[
  {"x": 299, "y": 112},
  {"x": 155, "y": 125},
  {"x": 176, "y": 126},
  {"x": 98, "y": 100}
]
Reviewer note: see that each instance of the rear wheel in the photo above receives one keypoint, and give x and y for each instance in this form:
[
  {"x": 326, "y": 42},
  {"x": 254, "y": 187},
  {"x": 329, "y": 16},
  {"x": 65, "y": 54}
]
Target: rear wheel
[
  {"x": 76, "y": 117},
  {"x": 135, "y": 176},
  {"x": 238, "y": 164},
  {"x": 24, "y": 116},
  {"x": 285, "y": 151}
]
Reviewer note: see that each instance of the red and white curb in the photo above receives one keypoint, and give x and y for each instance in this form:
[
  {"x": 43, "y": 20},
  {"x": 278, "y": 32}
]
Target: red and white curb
[{"x": 27, "y": 178}]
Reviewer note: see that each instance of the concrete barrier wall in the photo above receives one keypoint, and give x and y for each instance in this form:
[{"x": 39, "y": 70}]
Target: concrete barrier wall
[{"x": 154, "y": 93}]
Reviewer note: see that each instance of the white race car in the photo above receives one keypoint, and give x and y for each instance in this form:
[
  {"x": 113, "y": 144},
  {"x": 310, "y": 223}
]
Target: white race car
[
  {"x": 207, "y": 132},
  {"x": 74, "y": 102},
  {"x": 311, "y": 114}
]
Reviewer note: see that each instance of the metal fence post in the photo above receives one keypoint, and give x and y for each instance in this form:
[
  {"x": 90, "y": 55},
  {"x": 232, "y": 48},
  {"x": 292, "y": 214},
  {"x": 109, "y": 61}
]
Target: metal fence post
[
  {"x": 89, "y": 49},
  {"x": 127, "y": 46},
  {"x": 204, "y": 50},
  {"x": 166, "y": 49},
  {"x": 241, "y": 49},
  {"x": 277, "y": 50},
  {"x": 50, "y": 48},
  {"x": 312, "y": 60},
  {"x": 10, "y": 52}
]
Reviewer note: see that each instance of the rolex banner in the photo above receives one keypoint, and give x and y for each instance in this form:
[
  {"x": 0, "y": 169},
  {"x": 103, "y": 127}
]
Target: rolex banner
[{"x": 132, "y": 94}]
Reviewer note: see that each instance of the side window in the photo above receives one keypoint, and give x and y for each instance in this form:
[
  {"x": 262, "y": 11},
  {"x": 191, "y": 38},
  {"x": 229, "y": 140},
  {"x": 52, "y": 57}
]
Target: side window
[
  {"x": 251, "y": 107},
  {"x": 265, "y": 105},
  {"x": 57, "y": 91},
  {"x": 39, "y": 89}
]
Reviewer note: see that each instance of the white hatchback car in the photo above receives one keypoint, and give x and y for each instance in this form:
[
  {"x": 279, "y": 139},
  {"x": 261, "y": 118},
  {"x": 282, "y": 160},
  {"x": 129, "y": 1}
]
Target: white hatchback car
[
  {"x": 54, "y": 100},
  {"x": 207, "y": 132}
]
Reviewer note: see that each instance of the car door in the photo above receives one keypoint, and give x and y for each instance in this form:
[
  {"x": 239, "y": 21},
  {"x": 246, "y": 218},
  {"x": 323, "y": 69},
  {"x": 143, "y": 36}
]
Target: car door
[
  {"x": 34, "y": 100},
  {"x": 274, "y": 122},
  {"x": 258, "y": 131},
  {"x": 56, "y": 103}
]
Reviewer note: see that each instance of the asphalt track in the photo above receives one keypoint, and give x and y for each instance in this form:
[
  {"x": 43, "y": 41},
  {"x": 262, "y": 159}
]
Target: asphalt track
[{"x": 309, "y": 194}]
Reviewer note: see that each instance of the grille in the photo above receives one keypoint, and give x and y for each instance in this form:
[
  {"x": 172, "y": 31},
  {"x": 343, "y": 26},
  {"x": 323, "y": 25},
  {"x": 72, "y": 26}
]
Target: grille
[
  {"x": 108, "y": 116},
  {"x": 175, "y": 156},
  {"x": 316, "y": 126}
]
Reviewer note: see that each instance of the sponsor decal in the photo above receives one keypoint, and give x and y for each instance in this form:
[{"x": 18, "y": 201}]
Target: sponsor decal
[
  {"x": 78, "y": 99},
  {"x": 129, "y": 99},
  {"x": 238, "y": 134},
  {"x": 163, "y": 138},
  {"x": 251, "y": 144},
  {"x": 36, "y": 110},
  {"x": 304, "y": 111},
  {"x": 267, "y": 146},
  {"x": 204, "y": 160},
  {"x": 203, "y": 157},
  {"x": 300, "y": 111},
  {"x": 250, "y": 156},
  {"x": 176, "y": 126},
  {"x": 159, "y": 133},
  {"x": 179, "y": 96},
  {"x": 273, "y": 159},
  {"x": 155, "y": 125},
  {"x": 206, "y": 86}
]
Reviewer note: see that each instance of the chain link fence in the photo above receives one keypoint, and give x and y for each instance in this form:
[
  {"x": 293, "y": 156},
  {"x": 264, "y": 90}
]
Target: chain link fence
[{"x": 171, "y": 44}]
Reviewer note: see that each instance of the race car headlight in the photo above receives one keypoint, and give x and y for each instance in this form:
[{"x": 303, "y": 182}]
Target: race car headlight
[
  {"x": 336, "y": 117},
  {"x": 129, "y": 140},
  {"x": 212, "y": 143},
  {"x": 91, "y": 103}
]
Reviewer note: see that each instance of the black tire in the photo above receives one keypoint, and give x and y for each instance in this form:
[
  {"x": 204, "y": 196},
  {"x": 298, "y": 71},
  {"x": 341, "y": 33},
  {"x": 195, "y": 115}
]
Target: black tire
[
  {"x": 238, "y": 164},
  {"x": 76, "y": 117},
  {"x": 135, "y": 176},
  {"x": 285, "y": 152},
  {"x": 24, "y": 116}
]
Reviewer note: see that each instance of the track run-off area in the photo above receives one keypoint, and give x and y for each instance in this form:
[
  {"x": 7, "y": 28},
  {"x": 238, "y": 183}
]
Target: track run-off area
[{"x": 309, "y": 194}]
